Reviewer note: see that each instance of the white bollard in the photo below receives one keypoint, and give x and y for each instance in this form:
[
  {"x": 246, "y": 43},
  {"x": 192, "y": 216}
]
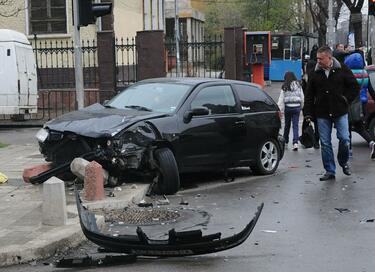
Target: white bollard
[{"x": 54, "y": 203}]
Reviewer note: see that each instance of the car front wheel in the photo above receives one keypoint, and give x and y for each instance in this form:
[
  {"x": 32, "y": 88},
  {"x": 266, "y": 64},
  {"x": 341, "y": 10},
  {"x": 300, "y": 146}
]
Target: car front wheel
[
  {"x": 168, "y": 179},
  {"x": 267, "y": 158}
]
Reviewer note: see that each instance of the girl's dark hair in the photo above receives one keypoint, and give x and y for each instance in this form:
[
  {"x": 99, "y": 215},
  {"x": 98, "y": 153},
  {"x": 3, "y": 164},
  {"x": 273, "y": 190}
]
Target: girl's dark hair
[{"x": 289, "y": 77}]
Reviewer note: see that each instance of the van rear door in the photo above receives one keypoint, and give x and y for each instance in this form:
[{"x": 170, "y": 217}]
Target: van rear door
[{"x": 26, "y": 76}]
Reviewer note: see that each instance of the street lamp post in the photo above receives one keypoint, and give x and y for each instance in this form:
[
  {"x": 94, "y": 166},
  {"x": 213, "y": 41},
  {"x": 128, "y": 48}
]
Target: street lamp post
[
  {"x": 78, "y": 57},
  {"x": 177, "y": 37}
]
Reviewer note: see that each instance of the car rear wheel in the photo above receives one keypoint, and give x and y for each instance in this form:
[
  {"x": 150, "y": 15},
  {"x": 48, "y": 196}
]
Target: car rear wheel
[
  {"x": 371, "y": 128},
  {"x": 267, "y": 158},
  {"x": 169, "y": 179}
]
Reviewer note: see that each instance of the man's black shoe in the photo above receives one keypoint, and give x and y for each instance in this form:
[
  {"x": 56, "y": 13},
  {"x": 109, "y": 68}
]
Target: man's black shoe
[
  {"x": 327, "y": 176},
  {"x": 346, "y": 170}
]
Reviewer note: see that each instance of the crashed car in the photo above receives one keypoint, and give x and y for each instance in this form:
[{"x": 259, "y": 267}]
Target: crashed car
[{"x": 160, "y": 128}]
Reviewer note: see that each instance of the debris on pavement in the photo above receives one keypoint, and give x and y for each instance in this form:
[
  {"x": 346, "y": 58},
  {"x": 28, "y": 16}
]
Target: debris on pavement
[
  {"x": 269, "y": 231},
  {"x": 163, "y": 201},
  {"x": 183, "y": 202},
  {"x": 144, "y": 204},
  {"x": 88, "y": 261},
  {"x": 372, "y": 220},
  {"x": 3, "y": 178},
  {"x": 111, "y": 194},
  {"x": 342, "y": 210}
]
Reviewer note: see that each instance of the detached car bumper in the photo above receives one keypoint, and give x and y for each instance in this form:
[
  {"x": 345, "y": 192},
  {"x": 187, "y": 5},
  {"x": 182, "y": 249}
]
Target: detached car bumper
[{"x": 178, "y": 244}]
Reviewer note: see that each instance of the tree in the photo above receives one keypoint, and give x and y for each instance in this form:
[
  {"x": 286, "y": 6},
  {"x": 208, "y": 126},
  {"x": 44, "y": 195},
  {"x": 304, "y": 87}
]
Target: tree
[
  {"x": 319, "y": 14},
  {"x": 8, "y": 8},
  {"x": 355, "y": 21},
  {"x": 221, "y": 14},
  {"x": 255, "y": 15}
]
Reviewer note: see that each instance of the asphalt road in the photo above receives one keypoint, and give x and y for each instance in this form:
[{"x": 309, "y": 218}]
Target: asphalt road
[{"x": 306, "y": 224}]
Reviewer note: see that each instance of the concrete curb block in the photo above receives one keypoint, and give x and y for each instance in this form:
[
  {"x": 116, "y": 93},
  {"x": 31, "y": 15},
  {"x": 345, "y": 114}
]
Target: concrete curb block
[
  {"x": 48, "y": 244},
  {"x": 61, "y": 238}
]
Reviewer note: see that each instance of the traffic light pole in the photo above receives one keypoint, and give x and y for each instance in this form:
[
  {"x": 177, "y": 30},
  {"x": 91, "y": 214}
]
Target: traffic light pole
[{"x": 78, "y": 57}]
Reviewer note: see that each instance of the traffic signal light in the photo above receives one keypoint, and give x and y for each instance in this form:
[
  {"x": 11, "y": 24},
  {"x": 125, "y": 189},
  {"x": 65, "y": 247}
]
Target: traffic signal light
[
  {"x": 89, "y": 11},
  {"x": 371, "y": 7}
]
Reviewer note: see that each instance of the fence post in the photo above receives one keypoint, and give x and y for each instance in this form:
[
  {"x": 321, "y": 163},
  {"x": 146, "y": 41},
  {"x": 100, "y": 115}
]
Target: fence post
[
  {"x": 151, "y": 59},
  {"x": 106, "y": 64},
  {"x": 234, "y": 53}
]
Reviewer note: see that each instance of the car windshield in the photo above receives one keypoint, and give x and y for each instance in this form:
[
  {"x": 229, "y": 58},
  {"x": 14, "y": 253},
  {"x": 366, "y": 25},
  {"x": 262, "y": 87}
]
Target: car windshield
[{"x": 159, "y": 97}]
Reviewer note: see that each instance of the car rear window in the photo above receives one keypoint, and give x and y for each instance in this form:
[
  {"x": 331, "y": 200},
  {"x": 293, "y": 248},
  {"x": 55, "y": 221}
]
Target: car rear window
[{"x": 254, "y": 99}]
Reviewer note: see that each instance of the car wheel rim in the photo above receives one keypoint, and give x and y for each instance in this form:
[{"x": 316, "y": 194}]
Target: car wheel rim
[{"x": 269, "y": 156}]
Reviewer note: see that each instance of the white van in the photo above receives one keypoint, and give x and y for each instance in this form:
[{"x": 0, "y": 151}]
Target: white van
[{"x": 18, "y": 78}]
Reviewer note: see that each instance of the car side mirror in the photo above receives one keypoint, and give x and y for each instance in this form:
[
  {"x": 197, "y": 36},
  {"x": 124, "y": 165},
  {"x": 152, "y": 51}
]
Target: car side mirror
[{"x": 199, "y": 111}]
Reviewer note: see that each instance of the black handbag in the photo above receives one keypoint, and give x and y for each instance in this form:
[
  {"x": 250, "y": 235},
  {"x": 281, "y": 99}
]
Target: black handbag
[
  {"x": 307, "y": 139},
  {"x": 356, "y": 111}
]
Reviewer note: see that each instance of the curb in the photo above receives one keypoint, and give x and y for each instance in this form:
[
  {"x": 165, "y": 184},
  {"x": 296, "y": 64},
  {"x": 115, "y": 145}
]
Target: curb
[{"x": 59, "y": 239}]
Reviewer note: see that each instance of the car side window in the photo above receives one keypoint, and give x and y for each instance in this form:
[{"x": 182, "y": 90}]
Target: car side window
[
  {"x": 253, "y": 99},
  {"x": 218, "y": 99}
]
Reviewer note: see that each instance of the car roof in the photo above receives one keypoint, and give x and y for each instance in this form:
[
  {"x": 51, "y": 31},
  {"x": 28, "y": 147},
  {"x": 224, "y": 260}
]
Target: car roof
[{"x": 195, "y": 81}]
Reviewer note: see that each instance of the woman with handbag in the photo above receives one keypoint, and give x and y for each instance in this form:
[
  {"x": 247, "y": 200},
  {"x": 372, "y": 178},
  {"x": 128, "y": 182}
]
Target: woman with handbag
[{"x": 291, "y": 102}]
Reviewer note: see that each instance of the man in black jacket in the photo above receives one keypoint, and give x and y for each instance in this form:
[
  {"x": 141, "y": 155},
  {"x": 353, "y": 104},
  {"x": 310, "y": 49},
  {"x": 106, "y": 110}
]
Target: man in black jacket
[{"x": 330, "y": 90}]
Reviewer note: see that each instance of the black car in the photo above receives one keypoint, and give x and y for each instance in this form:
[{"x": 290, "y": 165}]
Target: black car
[{"x": 162, "y": 127}]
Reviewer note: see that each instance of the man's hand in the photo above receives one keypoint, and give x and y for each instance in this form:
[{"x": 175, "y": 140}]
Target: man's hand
[{"x": 308, "y": 119}]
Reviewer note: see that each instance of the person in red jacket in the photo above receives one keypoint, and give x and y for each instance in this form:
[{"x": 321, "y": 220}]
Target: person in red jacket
[{"x": 330, "y": 90}]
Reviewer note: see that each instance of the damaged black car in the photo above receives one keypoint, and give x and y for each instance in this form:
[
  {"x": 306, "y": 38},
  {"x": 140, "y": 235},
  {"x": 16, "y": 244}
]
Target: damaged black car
[{"x": 160, "y": 128}]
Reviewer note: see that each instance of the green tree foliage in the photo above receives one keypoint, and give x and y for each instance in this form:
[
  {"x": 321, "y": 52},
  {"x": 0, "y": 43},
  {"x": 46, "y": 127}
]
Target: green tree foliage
[{"x": 255, "y": 15}]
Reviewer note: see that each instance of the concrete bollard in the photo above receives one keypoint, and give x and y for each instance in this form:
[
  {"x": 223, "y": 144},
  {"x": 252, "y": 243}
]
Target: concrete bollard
[
  {"x": 54, "y": 203},
  {"x": 93, "y": 182},
  {"x": 78, "y": 167},
  {"x": 35, "y": 170}
]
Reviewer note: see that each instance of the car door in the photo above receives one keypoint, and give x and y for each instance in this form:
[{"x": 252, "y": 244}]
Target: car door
[
  {"x": 209, "y": 140},
  {"x": 260, "y": 115}
]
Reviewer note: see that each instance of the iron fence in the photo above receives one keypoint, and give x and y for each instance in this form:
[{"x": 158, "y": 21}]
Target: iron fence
[
  {"x": 203, "y": 58},
  {"x": 55, "y": 63},
  {"x": 126, "y": 62},
  {"x": 53, "y": 103}
]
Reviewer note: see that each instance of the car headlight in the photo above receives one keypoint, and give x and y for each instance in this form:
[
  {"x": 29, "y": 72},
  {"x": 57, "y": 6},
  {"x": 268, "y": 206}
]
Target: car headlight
[{"x": 42, "y": 135}]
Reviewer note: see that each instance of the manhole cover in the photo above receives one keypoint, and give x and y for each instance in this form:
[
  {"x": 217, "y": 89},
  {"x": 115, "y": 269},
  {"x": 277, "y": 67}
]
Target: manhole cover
[{"x": 137, "y": 216}]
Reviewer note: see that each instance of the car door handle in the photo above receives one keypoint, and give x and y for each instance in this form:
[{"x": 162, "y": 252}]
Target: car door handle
[{"x": 239, "y": 122}]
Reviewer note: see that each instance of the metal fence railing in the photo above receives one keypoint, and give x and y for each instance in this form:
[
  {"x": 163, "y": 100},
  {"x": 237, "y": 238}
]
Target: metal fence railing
[
  {"x": 53, "y": 103},
  {"x": 126, "y": 62},
  {"x": 55, "y": 63},
  {"x": 204, "y": 58}
]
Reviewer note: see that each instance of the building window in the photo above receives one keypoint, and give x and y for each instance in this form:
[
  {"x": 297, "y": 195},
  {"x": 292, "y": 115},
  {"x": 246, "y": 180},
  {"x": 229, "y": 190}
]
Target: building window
[{"x": 47, "y": 16}]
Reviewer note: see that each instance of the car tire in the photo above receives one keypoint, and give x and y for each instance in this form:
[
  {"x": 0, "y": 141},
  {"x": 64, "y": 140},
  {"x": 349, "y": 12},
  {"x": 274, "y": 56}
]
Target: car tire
[
  {"x": 371, "y": 128},
  {"x": 267, "y": 158},
  {"x": 169, "y": 179}
]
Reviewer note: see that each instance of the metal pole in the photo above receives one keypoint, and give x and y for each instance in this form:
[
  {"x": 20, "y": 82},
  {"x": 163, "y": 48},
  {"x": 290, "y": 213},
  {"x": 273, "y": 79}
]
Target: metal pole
[
  {"x": 78, "y": 58},
  {"x": 177, "y": 36}
]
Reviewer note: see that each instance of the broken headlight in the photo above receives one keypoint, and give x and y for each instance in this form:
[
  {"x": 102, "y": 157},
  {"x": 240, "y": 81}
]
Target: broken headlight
[{"x": 42, "y": 135}]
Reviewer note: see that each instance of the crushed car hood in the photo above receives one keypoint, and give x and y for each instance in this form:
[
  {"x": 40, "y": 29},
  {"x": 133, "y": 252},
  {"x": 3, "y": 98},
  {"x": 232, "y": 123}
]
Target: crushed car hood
[{"x": 98, "y": 121}]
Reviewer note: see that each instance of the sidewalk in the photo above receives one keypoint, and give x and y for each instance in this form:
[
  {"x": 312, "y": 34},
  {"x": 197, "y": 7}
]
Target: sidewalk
[{"x": 23, "y": 237}]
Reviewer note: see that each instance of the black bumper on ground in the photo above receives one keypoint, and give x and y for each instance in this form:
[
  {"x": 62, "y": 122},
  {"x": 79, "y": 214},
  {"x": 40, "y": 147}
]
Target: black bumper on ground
[{"x": 178, "y": 244}]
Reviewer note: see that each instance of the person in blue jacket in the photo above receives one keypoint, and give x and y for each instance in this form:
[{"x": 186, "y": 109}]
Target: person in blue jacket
[{"x": 356, "y": 63}]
